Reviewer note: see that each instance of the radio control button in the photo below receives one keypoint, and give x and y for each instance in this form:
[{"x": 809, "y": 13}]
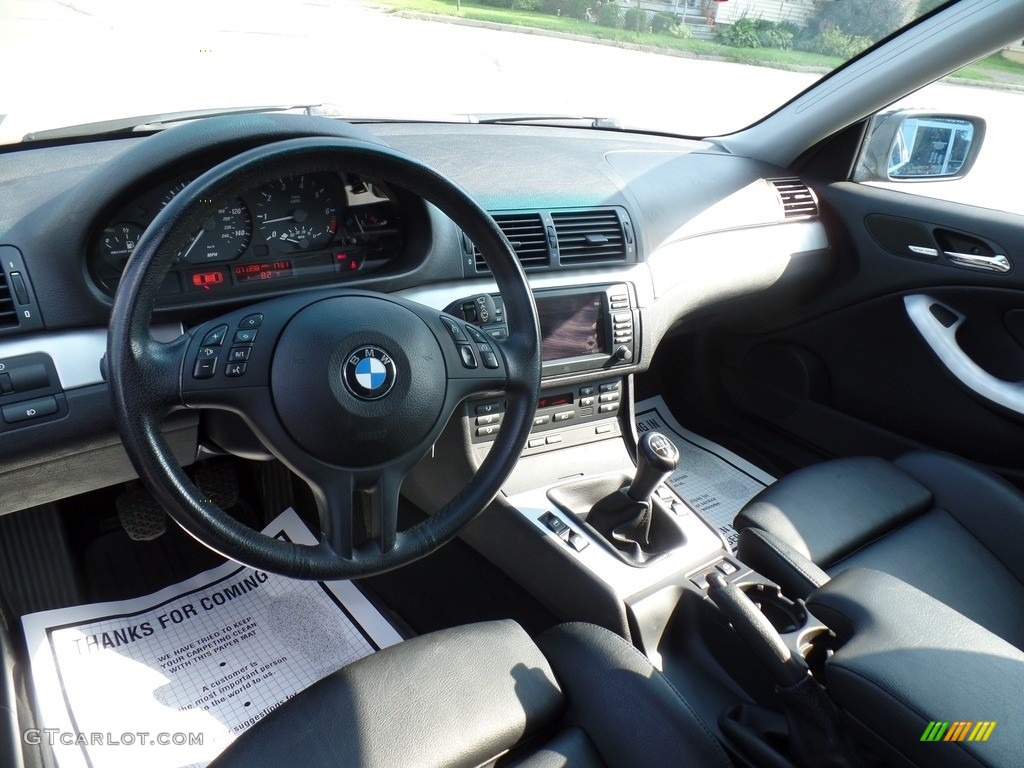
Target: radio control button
[
  {"x": 487, "y": 431},
  {"x": 483, "y": 408},
  {"x": 611, "y": 386},
  {"x": 608, "y": 408},
  {"x": 564, "y": 415},
  {"x": 622, "y": 317},
  {"x": 535, "y": 442},
  {"x": 205, "y": 368},
  {"x": 620, "y": 305},
  {"x": 468, "y": 358},
  {"x": 540, "y": 421},
  {"x": 602, "y": 429},
  {"x": 491, "y": 418},
  {"x": 215, "y": 337},
  {"x": 553, "y": 439},
  {"x": 609, "y": 397},
  {"x": 619, "y": 297},
  {"x": 586, "y": 401}
]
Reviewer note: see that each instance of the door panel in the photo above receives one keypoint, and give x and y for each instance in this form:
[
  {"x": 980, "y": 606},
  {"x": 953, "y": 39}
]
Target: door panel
[{"x": 849, "y": 372}]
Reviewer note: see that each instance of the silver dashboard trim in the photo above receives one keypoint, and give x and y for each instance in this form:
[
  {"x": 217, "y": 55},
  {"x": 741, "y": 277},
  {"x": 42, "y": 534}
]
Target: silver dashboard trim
[{"x": 76, "y": 354}]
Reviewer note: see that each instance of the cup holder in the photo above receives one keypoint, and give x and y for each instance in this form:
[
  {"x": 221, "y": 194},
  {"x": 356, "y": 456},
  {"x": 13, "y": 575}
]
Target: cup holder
[{"x": 785, "y": 615}]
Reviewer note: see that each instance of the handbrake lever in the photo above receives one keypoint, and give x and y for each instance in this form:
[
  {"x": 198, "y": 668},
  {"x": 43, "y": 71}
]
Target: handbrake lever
[{"x": 757, "y": 632}]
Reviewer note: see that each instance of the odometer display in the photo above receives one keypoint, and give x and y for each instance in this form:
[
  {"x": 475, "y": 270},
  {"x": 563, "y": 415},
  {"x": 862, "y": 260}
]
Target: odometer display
[{"x": 266, "y": 270}]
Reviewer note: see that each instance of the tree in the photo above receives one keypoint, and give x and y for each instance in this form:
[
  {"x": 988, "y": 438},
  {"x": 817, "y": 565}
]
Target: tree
[{"x": 873, "y": 19}]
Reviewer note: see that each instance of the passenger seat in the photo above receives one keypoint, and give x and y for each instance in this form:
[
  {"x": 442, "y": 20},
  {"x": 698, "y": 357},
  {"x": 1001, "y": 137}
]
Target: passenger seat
[{"x": 935, "y": 521}]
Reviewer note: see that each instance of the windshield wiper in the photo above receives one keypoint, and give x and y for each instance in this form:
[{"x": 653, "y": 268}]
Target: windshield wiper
[
  {"x": 158, "y": 121},
  {"x": 585, "y": 121}
]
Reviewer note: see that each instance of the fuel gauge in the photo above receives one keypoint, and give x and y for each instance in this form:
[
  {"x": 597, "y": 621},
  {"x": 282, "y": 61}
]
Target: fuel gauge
[{"x": 118, "y": 241}]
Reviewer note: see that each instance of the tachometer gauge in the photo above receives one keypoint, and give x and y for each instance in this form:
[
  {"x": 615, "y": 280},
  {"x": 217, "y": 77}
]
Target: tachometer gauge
[
  {"x": 118, "y": 241},
  {"x": 224, "y": 236},
  {"x": 297, "y": 214}
]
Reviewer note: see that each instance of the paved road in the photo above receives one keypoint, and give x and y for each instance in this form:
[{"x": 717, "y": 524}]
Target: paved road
[{"x": 72, "y": 61}]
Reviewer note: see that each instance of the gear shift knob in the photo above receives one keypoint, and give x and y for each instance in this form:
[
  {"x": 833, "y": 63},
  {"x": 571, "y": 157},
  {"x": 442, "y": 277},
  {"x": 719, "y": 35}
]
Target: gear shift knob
[{"x": 656, "y": 459}]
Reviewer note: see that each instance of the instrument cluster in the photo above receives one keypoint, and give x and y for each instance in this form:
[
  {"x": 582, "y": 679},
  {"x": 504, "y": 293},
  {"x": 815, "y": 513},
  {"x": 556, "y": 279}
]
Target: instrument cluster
[{"x": 316, "y": 227}]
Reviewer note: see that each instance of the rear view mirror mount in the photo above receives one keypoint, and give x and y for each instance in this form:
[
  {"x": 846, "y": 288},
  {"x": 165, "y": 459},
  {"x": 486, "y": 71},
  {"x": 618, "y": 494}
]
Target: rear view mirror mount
[{"x": 914, "y": 145}]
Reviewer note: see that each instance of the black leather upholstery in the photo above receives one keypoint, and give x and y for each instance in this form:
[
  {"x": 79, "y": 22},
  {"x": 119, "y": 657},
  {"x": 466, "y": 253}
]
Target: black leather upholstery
[
  {"x": 907, "y": 660},
  {"x": 935, "y": 521},
  {"x": 468, "y": 695}
]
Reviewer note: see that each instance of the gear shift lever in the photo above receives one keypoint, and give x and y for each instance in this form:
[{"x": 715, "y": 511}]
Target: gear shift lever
[{"x": 656, "y": 459}]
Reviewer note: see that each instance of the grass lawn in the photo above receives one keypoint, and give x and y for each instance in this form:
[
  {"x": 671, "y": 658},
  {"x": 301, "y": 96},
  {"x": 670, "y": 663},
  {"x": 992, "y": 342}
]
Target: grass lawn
[{"x": 994, "y": 70}]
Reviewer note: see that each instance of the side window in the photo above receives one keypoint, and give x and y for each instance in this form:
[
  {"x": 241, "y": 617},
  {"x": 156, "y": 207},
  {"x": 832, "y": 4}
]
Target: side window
[{"x": 911, "y": 153}]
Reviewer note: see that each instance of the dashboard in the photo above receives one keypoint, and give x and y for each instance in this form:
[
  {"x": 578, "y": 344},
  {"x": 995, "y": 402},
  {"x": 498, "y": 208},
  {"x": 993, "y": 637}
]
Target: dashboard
[{"x": 624, "y": 238}]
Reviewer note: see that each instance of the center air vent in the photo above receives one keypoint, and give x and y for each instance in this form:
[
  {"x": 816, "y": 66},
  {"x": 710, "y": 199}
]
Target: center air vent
[
  {"x": 525, "y": 231},
  {"x": 8, "y": 314},
  {"x": 797, "y": 198},
  {"x": 589, "y": 237}
]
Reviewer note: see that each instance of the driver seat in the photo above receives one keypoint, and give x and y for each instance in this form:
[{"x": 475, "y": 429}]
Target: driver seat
[{"x": 486, "y": 694}]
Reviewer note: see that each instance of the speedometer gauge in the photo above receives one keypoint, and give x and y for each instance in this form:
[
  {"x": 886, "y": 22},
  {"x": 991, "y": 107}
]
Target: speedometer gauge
[
  {"x": 224, "y": 236},
  {"x": 298, "y": 213}
]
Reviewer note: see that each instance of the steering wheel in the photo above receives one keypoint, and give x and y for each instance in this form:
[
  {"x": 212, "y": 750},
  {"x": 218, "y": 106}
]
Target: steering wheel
[{"x": 348, "y": 388}]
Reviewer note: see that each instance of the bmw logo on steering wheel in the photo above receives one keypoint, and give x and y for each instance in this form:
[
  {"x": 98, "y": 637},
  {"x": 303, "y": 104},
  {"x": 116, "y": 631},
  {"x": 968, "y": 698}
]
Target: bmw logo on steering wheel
[{"x": 369, "y": 373}]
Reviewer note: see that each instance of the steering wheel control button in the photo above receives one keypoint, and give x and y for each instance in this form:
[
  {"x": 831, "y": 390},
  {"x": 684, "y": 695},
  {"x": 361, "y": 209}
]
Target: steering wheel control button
[
  {"x": 468, "y": 358},
  {"x": 234, "y": 369},
  {"x": 215, "y": 337},
  {"x": 30, "y": 409},
  {"x": 205, "y": 368},
  {"x": 245, "y": 336},
  {"x": 454, "y": 328},
  {"x": 490, "y": 360},
  {"x": 251, "y": 321},
  {"x": 5, "y": 383},
  {"x": 206, "y": 352},
  {"x": 370, "y": 373},
  {"x": 477, "y": 335},
  {"x": 239, "y": 354}
]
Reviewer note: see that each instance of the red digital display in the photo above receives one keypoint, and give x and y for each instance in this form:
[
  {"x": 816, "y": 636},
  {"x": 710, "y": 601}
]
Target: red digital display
[
  {"x": 265, "y": 270},
  {"x": 550, "y": 400},
  {"x": 207, "y": 279}
]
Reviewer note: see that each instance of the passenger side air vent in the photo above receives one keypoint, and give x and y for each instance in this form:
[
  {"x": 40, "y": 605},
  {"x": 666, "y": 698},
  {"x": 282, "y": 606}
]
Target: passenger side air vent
[
  {"x": 797, "y": 198},
  {"x": 589, "y": 237},
  {"x": 8, "y": 314},
  {"x": 525, "y": 231}
]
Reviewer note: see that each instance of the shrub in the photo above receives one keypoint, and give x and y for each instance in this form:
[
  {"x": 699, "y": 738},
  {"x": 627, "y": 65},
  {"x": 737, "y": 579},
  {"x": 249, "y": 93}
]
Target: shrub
[
  {"x": 873, "y": 19},
  {"x": 757, "y": 33},
  {"x": 608, "y": 15},
  {"x": 663, "y": 22},
  {"x": 526, "y": 5},
  {"x": 742, "y": 33},
  {"x": 835, "y": 42},
  {"x": 574, "y": 9},
  {"x": 681, "y": 31},
  {"x": 636, "y": 19}
]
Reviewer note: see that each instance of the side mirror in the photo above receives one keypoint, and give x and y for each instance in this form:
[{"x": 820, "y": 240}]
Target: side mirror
[{"x": 912, "y": 145}]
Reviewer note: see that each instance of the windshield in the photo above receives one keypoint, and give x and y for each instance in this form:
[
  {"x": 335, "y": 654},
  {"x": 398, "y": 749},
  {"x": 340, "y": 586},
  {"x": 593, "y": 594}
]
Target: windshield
[{"x": 688, "y": 67}]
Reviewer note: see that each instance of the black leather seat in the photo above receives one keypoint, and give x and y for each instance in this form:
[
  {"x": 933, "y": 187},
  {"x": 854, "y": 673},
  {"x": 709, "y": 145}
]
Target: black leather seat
[
  {"x": 950, "y": 529},
  {"x": 579, "y": 696}
]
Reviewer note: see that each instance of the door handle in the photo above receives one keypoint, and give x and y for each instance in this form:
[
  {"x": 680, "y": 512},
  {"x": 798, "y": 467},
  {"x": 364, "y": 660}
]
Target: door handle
[
  {"x": 938, "y": 324},
  {"x": 994, "y": 263}
]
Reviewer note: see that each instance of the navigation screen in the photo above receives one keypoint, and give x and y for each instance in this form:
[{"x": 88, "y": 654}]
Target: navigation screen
[{"x": 571, "y": 325}]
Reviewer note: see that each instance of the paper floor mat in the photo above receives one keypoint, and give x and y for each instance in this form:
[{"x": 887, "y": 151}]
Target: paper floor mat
[{"x": 172, "y": 678}]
